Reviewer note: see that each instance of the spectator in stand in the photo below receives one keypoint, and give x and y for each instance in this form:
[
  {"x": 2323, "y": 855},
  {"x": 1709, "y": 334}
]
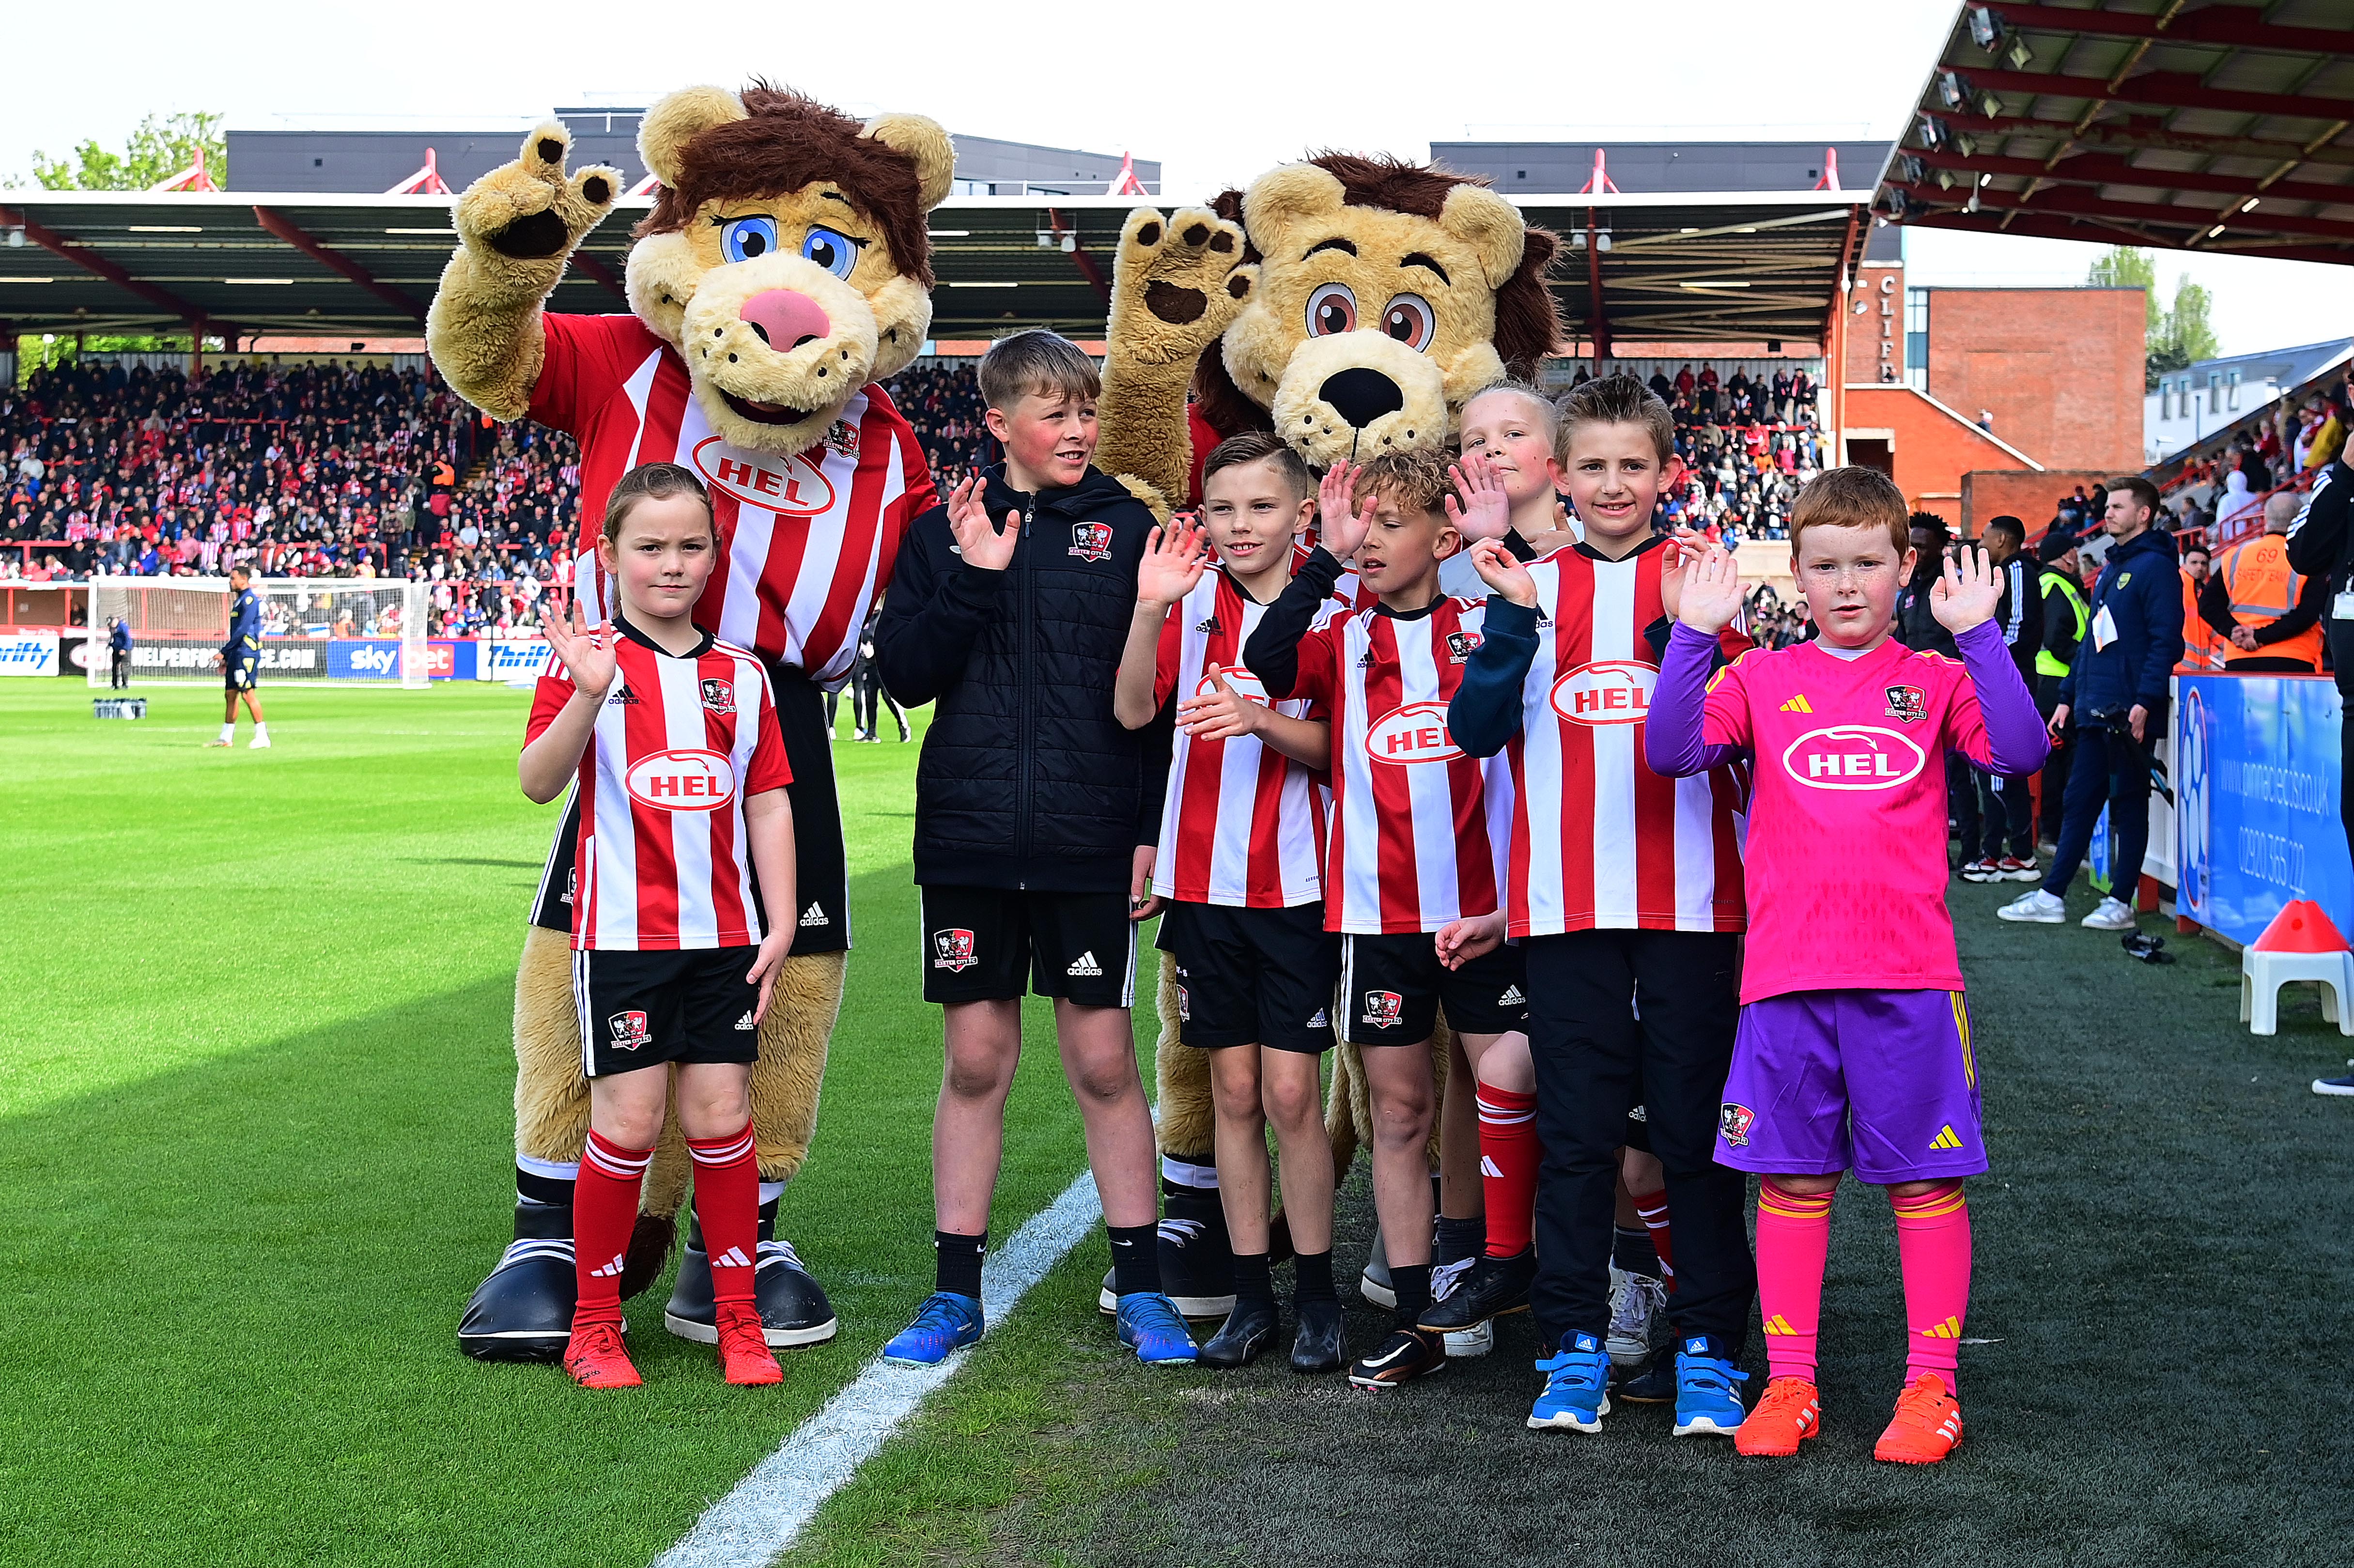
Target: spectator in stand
[
  {"x": 2199, "y": 640},
  {"x": 2117, "y": 692},
  {"x": 2262, "y": 616}
]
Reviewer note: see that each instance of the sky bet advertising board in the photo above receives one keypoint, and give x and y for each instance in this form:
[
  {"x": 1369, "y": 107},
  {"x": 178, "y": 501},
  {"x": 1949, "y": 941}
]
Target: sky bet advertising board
[{"x": 2256, "y": 779}]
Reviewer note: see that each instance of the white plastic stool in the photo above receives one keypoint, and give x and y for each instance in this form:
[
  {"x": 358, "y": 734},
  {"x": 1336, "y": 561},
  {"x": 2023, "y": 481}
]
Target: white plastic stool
[{"x": 2262, "y": 974}]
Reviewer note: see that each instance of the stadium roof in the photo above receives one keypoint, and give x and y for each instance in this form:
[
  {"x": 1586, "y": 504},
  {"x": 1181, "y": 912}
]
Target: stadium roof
[
  {"x": 2152, "y": 122},
  {"x": 1662, "y": 267}
]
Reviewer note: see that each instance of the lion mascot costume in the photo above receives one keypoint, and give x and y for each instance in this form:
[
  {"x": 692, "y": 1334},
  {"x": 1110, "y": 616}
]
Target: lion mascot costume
[
  {"x": 784, "y": 269},
  {"x": 1355, "y": 304}
]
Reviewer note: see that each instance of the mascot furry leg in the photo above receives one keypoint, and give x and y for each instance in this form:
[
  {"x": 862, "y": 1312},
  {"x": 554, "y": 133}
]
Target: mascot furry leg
[{"x": 524, "y": 1310}]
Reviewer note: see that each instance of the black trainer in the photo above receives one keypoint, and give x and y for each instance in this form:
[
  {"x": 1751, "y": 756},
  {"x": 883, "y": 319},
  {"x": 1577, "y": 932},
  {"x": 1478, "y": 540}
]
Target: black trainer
[
  {"x": 1491, "y": 1288},
  {"x": 1653, "y": 1383},
  {"x": 1402, "y": 1356},
  {"x": 1248, "y": 1330},
  {"x": 1197, "y": 1261},
  {"x": 1316, "y": 1346},
  {"x": 794, "y": 1311}
]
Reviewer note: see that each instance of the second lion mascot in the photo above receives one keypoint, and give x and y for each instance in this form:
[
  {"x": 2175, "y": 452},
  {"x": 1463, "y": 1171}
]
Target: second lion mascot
[
  {"x": 1351, "y": 305},
  {"x": 785, "y": 269}
]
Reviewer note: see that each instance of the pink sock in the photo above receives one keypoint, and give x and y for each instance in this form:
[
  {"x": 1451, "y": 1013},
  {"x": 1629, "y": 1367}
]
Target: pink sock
[
  {"x": 1794, "y": 1235},
  {"x": 1932, "y": 1240}
]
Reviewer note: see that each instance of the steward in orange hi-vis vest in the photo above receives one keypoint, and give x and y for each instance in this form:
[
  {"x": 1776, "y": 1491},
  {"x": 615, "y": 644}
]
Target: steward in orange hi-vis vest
[{"x": 2265, "y": 591}]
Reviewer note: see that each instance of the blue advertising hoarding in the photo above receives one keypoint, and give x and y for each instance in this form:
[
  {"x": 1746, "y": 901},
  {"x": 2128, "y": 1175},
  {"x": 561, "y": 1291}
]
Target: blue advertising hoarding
[{"x": 2257, "y": 775}]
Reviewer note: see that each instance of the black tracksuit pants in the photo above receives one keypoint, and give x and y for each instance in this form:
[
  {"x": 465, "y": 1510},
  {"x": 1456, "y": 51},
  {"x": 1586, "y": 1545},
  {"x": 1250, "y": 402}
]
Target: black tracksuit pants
[{"x": 1593, "y": 1059}]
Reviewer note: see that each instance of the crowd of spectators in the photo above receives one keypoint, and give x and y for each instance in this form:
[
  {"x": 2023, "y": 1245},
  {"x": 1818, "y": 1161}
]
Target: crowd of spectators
[
  {"x": 943, "y": 403},
  {"x": 1748, "y": 443}
]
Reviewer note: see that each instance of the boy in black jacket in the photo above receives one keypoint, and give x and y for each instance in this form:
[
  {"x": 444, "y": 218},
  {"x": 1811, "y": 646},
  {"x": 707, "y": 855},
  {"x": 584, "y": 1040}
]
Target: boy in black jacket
[{"x": 1036, "y": 817}]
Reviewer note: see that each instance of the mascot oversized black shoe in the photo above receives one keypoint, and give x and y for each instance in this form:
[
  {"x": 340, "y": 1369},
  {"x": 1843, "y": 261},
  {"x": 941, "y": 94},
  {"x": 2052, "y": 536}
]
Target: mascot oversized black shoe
[{"x": 794, "y": 1311}]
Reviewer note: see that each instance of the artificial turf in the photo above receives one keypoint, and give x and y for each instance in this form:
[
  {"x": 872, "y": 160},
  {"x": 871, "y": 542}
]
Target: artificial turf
[
  {"x": 2157, "y": 1373},
  {"x": 256, "y": 1149}
]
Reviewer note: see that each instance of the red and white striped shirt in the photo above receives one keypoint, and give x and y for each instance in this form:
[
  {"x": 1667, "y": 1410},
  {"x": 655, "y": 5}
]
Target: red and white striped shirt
[
  {"x": 1598, "y": 841},
  {"x": 1417, "y": 825},
  {"x": 1242, "y": 824},
  {"x": 680, "y": 742},
  {"x": 809, "y": 539}
]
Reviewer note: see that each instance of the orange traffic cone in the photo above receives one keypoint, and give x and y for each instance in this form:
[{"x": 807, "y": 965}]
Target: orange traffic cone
[{"x": 2300, "y": 928}]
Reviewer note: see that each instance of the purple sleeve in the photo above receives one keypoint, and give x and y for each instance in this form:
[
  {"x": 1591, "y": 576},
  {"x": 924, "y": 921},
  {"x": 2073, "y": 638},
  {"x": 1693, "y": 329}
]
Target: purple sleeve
[
  {"x": 2016, "y": 741},
  {"x": 1672, "y": 741}
]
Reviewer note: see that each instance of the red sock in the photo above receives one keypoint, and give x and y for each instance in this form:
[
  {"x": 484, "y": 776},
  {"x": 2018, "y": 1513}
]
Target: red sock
[
  {"x": 1654, "y": 1211},
  {"x": 604, "y": 1212},
  {"x": 1509, "y": 1156},
  {"x": 727, "y": 1203},
  {"x": 1933, "y": 1241},
  {"x": 1794, "y": 1235}
]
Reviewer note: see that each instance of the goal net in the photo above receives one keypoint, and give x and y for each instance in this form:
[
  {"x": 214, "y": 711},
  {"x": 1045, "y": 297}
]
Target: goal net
[{"x": 364, "y": 630}]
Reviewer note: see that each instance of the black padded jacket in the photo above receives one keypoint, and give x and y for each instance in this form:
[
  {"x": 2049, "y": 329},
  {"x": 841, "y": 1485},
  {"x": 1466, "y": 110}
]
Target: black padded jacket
[{"x": 1026, "y": 779}]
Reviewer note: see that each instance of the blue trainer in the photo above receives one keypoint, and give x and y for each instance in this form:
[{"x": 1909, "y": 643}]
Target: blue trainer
[
  {"x": 945, "y": 1322},
  {"x": 1707, "y": 1405},
  {"x": 1577, "y": 1386},
  {"x": 1149, "y": 1321}
]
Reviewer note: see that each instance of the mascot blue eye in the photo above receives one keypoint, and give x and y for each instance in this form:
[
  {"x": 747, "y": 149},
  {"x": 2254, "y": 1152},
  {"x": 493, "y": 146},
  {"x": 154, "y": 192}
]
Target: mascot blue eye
[
  {"x": 745, "y": 238},
  {"x": 836, "y": 253}
]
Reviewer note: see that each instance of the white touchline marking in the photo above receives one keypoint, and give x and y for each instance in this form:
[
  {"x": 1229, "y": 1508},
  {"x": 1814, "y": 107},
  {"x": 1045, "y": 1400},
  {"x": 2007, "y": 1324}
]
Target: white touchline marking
[{"x": 755, "y": 1523}]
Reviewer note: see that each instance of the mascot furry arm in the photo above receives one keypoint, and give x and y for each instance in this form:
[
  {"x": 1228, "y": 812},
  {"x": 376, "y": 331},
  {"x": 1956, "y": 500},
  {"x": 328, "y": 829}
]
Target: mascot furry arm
[{"x": 784, "y": 269}]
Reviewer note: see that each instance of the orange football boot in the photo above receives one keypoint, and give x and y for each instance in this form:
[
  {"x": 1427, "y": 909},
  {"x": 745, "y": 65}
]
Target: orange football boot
[
  {"x": 744, "y": 1354},
  {"x": 1927, "y": 1427},
  {"x": 597, "y": 1359},
  {"x": 1790, "y": 1412}
]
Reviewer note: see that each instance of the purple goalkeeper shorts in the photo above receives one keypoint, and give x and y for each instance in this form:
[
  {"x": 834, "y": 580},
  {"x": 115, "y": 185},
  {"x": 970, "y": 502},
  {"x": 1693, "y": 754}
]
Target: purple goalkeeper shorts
[{"x": 1878, "y": 1082}]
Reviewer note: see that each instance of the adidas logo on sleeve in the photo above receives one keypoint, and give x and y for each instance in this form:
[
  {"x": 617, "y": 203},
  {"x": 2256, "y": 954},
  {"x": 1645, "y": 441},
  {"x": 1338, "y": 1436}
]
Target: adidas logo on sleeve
[{"x": 1085, "y": 965}]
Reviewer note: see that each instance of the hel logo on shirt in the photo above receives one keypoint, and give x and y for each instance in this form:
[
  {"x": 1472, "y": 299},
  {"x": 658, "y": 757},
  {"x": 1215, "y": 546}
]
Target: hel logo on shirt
[
  {"x": 1852, "y": 756},
  {"x": 952, "y": 951},
  {"x": 1910, "y": 704},
  {"x": 1091, "y": 541},
  {"x": 1611, "y": 691},
  {"x": 1414, "y": 733},
  {"x": 629, "y": 1031},
  {"x": 1384, "y": 1009},
  {"x": 792, "y": 485},
  {"x": 1247, "y": 686},
  {"x": 718, "y": 696},
  {"x": 682, "y": 781},
  {"x": 1734, "y": 1122}
]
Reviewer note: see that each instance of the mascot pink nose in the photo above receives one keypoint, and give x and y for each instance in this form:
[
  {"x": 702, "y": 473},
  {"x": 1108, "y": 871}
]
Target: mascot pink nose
[{"x": 785, "y": 320}]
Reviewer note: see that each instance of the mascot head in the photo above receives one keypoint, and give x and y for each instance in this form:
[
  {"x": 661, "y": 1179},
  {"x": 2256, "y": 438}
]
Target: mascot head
[
  {"x": 1389, "y": 293},
  {"x": 787, "y": 258}
]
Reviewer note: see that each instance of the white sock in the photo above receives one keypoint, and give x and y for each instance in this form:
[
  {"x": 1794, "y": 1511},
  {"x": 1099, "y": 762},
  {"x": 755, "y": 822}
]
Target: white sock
[
  {"x": 228, "y": 730},
  {"x": 260, "y": 729}
]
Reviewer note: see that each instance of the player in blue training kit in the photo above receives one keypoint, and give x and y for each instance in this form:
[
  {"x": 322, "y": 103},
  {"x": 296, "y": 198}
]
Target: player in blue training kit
[{"x": 240, "y": 661}]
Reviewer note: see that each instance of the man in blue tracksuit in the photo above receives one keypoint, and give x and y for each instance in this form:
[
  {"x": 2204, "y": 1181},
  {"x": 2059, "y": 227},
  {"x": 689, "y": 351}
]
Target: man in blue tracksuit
[
  {"x": 2116, "y": 692},
  {"x": 240, "y": 661}
]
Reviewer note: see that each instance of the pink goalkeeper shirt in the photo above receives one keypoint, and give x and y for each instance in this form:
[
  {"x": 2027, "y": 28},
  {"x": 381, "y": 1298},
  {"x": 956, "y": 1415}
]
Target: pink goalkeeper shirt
[{"x": 1846, "y": 850}]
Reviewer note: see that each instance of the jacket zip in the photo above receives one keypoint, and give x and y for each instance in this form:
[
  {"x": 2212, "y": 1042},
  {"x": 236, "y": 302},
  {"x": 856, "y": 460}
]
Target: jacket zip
[{"x": 1024, "y": 735}]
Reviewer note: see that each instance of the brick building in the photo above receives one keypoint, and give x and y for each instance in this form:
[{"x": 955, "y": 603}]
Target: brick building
[{"x": 1984, "y": 401}]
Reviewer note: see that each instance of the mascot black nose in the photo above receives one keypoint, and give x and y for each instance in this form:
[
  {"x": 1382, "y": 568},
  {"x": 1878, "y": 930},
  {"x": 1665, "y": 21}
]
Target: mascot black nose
[{"x": 1360, "y": 396}]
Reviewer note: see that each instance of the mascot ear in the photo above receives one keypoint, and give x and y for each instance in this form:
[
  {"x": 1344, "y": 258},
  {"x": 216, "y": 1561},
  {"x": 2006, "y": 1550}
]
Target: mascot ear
[
  {"x": 679, "y": 118},
  {"x": 1285, "y": 198},
  {"x": 925, "y": 144},
  {"x": 1492, "y": 227}
]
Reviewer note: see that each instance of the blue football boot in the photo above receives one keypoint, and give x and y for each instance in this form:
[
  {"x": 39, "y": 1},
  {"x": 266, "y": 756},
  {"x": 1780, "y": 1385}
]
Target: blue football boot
[
  {"x": 945, "y": 1322},
  {"x": 1577, "y": 1386},
  {"x": 1149, "y": 1324},
  {"x": 1707, "y": 1405}
]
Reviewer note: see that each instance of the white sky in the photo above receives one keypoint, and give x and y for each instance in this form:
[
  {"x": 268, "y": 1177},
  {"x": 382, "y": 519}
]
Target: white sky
[{"x": 1213, "y": 108}]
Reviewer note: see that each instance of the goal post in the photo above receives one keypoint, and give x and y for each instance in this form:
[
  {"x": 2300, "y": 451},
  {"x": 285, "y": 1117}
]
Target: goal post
[{"x": 366, "y": 631}]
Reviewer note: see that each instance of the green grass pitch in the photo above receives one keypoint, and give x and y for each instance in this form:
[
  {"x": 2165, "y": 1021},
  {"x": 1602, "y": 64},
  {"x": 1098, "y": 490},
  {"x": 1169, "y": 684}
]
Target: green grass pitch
[{"x": 256, "y": 1145}]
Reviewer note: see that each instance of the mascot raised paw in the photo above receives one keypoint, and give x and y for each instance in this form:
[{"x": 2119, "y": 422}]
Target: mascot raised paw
[
  {"x": 785, "y": 269},
  {"x": 1351, "y": 305}
]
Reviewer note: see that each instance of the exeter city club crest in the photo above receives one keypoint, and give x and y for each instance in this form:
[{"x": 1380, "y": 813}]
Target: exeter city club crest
[
  {"x": 1910, "y": 704},
  {"x": 1734, "y": 1122},
  {"x": 952, "y": 951},
  {"x": 1384, "y": 1009},
  {"x": 629, "y": 1031},
  {"x": 1091, "y": 541},
  {"x": 718, "y": 696}
]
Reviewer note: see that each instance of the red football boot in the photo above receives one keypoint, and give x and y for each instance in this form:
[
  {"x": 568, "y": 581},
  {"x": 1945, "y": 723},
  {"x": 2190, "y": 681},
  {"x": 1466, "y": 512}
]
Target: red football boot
[
  {"x": 597, "y": 1359},
  {"x": 1790, "y": 1412},
  {"x": 743, "y": 1355},
  {"x": 1927, "y": 1427}
]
